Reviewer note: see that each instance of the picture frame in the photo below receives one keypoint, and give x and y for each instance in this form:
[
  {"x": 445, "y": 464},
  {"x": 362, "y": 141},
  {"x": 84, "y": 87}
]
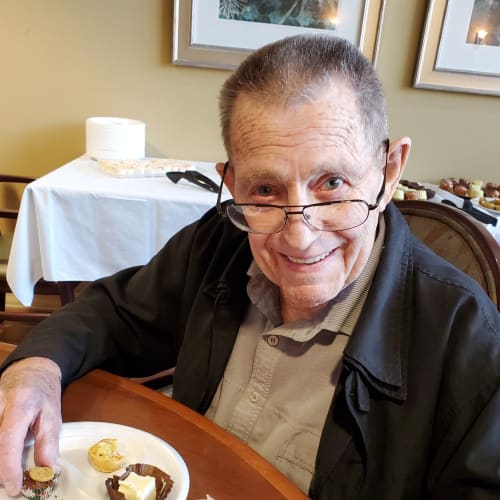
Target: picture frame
[
  {"x": 452, "y": 55},
  {"x": 202, "y": 39}
]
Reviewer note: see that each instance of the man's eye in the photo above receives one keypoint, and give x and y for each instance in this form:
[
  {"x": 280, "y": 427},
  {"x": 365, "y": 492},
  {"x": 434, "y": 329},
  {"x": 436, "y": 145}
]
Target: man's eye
[
  {"x": 264, "y": 191},
  {"x": 332, "y": 183}
]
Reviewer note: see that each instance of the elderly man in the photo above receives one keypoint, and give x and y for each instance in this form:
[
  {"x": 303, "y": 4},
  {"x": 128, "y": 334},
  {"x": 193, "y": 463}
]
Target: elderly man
[{"x": 307, "y": 320}]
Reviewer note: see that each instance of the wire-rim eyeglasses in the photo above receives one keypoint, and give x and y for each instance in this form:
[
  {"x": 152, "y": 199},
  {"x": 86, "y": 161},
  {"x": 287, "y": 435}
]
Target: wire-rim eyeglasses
[{"x": 263, "y": 218}]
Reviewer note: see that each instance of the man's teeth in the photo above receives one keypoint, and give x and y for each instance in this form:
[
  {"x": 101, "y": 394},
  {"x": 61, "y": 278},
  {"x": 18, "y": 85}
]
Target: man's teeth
[{"x": 311, "y": 260}]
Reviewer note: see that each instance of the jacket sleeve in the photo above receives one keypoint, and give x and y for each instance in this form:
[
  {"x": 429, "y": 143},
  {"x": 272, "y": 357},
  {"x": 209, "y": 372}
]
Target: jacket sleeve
[
  {"x": 466, "y": 463},
  {"x": 473, "y": 472},
  {"x": 130, "y": 323}
]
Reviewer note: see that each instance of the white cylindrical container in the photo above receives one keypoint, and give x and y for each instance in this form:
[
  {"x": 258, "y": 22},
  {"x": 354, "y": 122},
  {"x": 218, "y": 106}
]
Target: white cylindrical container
[{"x": 115, "y": 138}]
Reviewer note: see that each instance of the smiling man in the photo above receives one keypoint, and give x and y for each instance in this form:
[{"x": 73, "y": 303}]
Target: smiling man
[
  {"x": 302, "y": 316},
  {"x": 293, "y": 150}
]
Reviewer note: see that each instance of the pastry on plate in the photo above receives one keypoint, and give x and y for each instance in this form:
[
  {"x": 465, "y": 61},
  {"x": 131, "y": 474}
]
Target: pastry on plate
[
  {"x": 140, "y": 482},
  {"x": 39, "y": 482},
  {"x": 104, "y": 456}
]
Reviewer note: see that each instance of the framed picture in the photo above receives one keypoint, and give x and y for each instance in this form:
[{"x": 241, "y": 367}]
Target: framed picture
[
  {"x": 460, "y": 48},
  {"x": 221, "y": 33}
]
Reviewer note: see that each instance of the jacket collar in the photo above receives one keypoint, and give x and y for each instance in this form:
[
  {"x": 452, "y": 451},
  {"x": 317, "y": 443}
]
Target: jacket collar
[{"x": 379, "y": 345}]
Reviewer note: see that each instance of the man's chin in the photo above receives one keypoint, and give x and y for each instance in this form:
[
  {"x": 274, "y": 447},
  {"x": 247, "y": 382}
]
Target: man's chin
[{"x": 309, "y": 299}]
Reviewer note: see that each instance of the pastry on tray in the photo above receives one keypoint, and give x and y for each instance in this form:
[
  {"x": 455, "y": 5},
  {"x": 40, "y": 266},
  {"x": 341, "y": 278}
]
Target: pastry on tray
[
  {"x": 411, "y": 190},
  {"x": 466, "y": 188},
  {"x": 145, "y": 167}
]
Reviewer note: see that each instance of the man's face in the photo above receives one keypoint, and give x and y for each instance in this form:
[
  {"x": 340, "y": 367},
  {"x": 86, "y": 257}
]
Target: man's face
[{"x": 308, "y": 153}]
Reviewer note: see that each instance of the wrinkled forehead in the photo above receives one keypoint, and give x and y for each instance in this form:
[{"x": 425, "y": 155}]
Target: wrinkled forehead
[{"x": 327, "y": 127}]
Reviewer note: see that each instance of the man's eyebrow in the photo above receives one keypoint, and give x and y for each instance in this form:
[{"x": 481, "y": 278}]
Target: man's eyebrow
[
  {"x": 327, "y": 167},
  {"x": 335, "y": 168},
  {"x": 259, "y": 175}
]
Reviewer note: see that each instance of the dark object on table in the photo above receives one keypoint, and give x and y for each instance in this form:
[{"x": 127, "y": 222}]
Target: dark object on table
[
  {"x": 194, "y": 177},
  {"x": 473, "y": 212}
]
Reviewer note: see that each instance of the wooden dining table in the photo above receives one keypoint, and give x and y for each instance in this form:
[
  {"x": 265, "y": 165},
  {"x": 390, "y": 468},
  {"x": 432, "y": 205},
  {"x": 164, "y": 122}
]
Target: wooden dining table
[{"x": 219, "y": 464}]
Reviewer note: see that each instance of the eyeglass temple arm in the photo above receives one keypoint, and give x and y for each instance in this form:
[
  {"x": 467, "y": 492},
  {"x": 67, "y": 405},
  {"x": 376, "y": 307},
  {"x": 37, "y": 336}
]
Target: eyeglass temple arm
[
  {"x": 218, "y": 204},
  {"x": 386, "y": 143}
]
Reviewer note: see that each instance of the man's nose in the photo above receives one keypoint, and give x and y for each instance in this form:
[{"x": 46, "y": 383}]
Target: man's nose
[{"x": 297, "y": 232}]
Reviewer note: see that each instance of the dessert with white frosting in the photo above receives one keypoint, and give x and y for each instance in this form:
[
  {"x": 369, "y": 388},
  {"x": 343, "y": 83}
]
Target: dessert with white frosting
[
  {"x": 136, "y": 487},
  {"x": 139, "y": 481}
]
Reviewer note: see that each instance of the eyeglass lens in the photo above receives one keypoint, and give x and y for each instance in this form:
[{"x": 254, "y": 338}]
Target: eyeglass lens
[{"x": 268, "y": 220}]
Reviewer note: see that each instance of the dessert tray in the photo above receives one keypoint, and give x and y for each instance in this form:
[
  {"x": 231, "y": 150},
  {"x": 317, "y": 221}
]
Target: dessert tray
[
  {"x": 79, "y": 480},
  {"x": 143, "y": 167}
]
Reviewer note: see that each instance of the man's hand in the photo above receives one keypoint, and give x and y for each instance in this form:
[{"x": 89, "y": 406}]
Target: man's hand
[{"x": 30, "y": 403}]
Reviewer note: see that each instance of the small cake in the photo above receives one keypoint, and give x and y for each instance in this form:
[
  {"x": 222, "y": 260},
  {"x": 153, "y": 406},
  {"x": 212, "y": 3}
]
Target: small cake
[
  {"x": 135, "y": 487},
  {"x": 475, "y": 192},
  {"x": 492, "y": 190},
  {"x": 399, "y": 194},
  {"x": 460, "y": 190},
  {"x": 411, "y": 194},
  {"x": 430, "y": 193},
  {"x": 446, "y": 184},
  {"x": 137, "y": 483},
  {"x": 39, "y": 483},
  {"x": 406, "y": 185},
  {"x": 422, "y": 194},
  {"x": 105, "y": 457}
]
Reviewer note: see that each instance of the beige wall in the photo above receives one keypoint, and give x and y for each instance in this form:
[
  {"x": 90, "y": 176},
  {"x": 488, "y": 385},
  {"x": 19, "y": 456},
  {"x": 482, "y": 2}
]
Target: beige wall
[{"x": 64, "y": 60}]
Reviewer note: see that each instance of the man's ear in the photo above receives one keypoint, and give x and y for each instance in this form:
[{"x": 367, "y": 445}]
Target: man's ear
[
  {"x": 228, "y": 178},
  {"x": 397, "y": 157}
]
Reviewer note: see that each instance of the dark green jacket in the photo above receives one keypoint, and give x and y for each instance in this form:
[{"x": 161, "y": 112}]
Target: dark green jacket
[{"x": 416, "y": 414}]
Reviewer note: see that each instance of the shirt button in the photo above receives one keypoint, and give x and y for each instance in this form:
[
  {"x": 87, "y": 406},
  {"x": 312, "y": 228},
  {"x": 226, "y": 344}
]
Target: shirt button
[
  {"x": 254, "y": 397},
  {"x": 272, "y": 340}
]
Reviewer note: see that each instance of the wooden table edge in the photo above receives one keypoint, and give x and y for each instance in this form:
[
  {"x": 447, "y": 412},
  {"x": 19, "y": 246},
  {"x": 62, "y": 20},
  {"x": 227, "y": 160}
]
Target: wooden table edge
[{"x": 251, "y": 457}]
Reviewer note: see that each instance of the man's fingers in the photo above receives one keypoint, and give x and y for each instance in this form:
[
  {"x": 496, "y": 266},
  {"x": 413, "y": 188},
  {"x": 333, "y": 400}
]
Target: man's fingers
[
  {"x": 11, "y": 450},
  {"x": 47, "y": 443},
  {"x": 30, "y": 399},
  {"x": 46, "y": 447}
]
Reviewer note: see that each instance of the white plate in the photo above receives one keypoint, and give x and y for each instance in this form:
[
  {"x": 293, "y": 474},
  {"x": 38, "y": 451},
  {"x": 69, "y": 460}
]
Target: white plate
[
  {"x": 476, "y": 203},
  {"x": 80, "y": 481}
]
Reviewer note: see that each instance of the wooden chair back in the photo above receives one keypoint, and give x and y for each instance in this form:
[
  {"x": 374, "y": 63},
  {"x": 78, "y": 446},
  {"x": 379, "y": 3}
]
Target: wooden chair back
[{"x": 458, "y": 238}]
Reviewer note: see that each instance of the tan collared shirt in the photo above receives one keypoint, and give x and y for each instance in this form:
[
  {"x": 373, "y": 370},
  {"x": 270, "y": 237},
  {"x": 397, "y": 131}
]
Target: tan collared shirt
[{"x": 280, "y": 379}]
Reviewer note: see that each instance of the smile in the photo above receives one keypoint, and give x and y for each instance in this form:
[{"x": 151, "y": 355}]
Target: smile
[{"x": 311, "y": 260}]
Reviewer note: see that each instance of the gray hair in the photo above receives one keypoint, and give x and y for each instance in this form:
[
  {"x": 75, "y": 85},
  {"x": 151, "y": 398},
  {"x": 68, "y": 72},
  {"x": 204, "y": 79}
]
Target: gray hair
[{"x": 293, "y": 69}]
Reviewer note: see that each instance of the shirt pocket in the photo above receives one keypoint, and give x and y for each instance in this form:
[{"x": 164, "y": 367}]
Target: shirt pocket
[{"x": 297, "y": 456}]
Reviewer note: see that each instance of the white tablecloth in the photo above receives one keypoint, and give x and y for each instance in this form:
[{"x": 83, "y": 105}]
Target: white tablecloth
[{"x": 79, "y": 224}]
